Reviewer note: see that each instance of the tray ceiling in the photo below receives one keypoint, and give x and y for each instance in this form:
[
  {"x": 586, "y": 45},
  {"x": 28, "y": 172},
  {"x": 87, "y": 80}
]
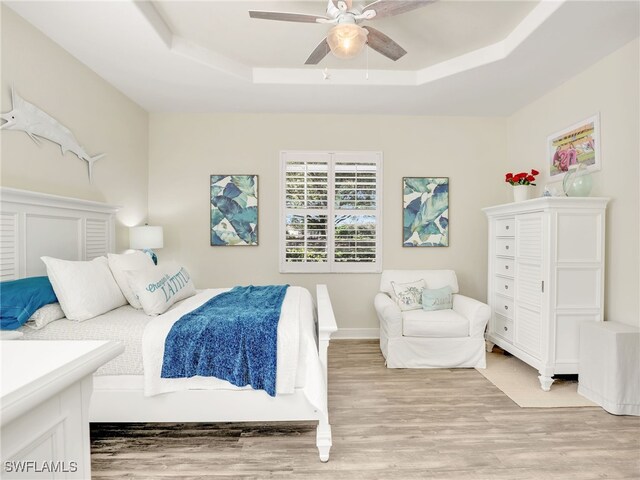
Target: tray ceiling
[{"x": 464, "y": 57}]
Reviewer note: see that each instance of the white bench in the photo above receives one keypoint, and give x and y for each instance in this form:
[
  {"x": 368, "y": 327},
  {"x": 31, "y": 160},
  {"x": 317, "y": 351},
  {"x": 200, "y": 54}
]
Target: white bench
[{"x": 609, "y": 369}]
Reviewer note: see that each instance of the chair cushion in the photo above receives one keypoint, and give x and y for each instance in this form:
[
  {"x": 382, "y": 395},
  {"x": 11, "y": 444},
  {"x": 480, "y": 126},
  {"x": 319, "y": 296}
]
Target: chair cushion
[{"x": 437, "y": 324}]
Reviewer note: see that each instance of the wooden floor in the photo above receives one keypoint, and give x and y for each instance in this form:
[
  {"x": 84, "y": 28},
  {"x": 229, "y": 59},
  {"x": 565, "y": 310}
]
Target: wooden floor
[{"x": 387, "y": 424}]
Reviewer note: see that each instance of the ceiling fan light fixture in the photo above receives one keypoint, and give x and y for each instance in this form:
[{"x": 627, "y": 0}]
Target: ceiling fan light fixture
[{"x": 346, "y": 40}]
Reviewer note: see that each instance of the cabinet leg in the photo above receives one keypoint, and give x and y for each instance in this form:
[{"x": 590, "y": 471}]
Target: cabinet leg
[
  {"x": 545, "y": 382},
  {"x": 489, "y": 345}
]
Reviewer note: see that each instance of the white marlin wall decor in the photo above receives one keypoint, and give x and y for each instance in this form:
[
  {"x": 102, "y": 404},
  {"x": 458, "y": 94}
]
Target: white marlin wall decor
[{"x": 28, "y": 118}]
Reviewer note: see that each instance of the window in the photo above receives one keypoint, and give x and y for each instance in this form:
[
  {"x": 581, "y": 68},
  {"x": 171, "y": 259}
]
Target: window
[{"x": 331, "y": 212}]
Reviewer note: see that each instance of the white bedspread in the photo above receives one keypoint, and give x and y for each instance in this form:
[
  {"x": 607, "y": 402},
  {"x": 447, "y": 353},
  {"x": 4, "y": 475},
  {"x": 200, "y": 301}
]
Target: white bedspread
[
  {"x": 298, "y": 364},
  {"x": 125, "y": 325}
]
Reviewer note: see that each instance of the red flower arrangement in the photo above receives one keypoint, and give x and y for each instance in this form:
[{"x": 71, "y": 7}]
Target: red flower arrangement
[{"x": 522, "y": 178}]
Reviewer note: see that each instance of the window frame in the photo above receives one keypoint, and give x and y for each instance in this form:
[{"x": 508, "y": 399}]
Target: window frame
[{"x": 330, "y": 266}]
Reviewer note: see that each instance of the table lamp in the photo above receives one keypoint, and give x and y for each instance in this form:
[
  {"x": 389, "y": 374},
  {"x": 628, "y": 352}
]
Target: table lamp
[{"x": 145, "y": 238}]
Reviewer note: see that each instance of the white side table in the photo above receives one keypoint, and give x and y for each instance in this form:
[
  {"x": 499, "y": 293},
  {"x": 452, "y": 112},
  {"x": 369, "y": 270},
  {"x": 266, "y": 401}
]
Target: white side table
[
  {"x": 609, "y": 370},
  {"x": 45, "y": 390}
]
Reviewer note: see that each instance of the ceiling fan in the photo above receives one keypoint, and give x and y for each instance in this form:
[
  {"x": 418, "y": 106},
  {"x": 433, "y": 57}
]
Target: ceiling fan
[{"x": 347, "y": 38}]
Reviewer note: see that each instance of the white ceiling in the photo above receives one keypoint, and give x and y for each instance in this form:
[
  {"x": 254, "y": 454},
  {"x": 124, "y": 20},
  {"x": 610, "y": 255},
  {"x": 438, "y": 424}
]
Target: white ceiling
[
  {"x": 464, "y": 57},
  {"x": 225, "y": 27}
]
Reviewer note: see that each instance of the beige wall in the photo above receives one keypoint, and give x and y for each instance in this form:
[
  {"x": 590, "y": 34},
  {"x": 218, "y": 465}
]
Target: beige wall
[
  {"x": 162, "y": 162},
  {"x": 610, "y": 87},
  {"x": 101, "y": 118},
  {"x": 186, "y": 148}
]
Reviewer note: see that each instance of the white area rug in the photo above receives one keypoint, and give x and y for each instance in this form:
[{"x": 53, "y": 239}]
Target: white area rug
[{"x": 520, "y": 383}]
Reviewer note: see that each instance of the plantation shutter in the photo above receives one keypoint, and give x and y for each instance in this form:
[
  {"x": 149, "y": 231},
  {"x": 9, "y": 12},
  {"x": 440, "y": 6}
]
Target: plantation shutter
[
  {"x": 306, "y": 211},
  {"x": 330, "y": 220}
]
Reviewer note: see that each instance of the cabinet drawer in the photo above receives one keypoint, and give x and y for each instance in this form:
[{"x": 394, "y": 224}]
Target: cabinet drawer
[
  {"x": 505, "y": 246},
  {"x": 504, "y": 286},
  {"x": 503, "y": 326},
  {"x": 505, "y": 266},
  {"x": 505, "y": 227},
  {"x": 503, "y": 306}
]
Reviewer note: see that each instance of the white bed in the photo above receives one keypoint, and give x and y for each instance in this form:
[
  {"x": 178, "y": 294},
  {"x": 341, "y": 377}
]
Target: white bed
[
  {"x": 125, "y": 325},
  {"x": 35, "y": 224}
]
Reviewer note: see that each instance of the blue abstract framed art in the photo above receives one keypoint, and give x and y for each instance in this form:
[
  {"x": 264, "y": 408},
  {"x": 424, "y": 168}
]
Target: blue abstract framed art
[
  {"x": 234, "y": 210},
  {"x": 425, "y": 211}
]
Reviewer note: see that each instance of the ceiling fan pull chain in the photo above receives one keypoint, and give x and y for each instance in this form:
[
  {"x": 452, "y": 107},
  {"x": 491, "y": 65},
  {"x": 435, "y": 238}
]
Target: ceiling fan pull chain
[
  {"x": 327, "y": 75},
  {"x": 366, "y": 55},
  {"x": 366, "y": 58}
]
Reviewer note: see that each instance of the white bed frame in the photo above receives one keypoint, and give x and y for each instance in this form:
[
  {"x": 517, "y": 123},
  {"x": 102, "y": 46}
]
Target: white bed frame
[{"x": 36, "y": 224}]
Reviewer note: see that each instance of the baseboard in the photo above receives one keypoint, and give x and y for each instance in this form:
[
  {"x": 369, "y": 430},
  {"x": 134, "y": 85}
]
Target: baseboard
[{"x": 353, "y": 333}]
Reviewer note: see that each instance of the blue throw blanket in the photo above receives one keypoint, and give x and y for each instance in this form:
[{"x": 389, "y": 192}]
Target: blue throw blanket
[{"x": 233, "y": 336}]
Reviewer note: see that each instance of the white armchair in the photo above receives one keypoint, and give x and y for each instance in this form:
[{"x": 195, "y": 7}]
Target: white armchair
[{"x": 431, "y": 339}]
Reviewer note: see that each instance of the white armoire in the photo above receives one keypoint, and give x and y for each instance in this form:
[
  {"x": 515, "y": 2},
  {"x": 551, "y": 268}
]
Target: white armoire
[{"x": 546, "y": 277}]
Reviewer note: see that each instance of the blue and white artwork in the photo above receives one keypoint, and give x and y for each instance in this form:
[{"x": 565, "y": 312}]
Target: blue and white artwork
[
  {"x": 425, "y": 213},
  {"x": 234, "y": 210}
]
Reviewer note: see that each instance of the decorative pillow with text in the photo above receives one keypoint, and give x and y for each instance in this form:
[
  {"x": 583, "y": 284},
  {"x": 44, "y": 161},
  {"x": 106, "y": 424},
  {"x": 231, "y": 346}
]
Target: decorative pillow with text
[
  {"x": 437, "y": 299},
  {"x": 159, "y": 287}
]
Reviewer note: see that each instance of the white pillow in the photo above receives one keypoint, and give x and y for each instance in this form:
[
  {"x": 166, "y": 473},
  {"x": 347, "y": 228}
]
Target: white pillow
[
  {"x": 159, "y": 287},
  {"x": 84, "y": 289},
  {"x": 45, "y": 315},
  {"x": 408, "y": 295},
  {"x": 128, "y": 261}
]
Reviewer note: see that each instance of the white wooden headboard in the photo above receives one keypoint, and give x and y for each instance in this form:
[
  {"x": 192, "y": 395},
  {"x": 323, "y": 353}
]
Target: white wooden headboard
[{"x": 34, "y": 224}]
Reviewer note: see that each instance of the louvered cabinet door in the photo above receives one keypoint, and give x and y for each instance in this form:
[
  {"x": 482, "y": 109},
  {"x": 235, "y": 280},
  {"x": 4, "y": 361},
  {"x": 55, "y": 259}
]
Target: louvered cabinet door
[{"x": 528, "y": 283}]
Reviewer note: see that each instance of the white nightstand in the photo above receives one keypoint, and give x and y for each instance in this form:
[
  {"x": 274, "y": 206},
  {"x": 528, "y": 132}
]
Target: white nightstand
[{"x": 45, "y": 390}]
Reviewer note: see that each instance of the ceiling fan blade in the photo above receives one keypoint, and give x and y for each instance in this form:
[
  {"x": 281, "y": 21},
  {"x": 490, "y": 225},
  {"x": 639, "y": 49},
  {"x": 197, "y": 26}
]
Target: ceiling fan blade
[
  {"x": 383, "y": 44},
  {"x": 286, "y": 17},
  {"x": 389, "y": 8},
  {"x": 319, "y": 53}
]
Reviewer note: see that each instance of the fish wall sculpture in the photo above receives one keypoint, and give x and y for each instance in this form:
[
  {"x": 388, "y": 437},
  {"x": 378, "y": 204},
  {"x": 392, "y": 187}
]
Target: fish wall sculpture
[{"x": 28, "y": 118}]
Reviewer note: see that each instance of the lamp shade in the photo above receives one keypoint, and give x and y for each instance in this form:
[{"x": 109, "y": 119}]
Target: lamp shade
[
  {"x": 146, "y": 236},
  {"x": 346, "y": 40}
]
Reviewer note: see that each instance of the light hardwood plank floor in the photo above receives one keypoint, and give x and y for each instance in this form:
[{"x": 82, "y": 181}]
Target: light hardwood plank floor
[{"x": 387, "y": 424}]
